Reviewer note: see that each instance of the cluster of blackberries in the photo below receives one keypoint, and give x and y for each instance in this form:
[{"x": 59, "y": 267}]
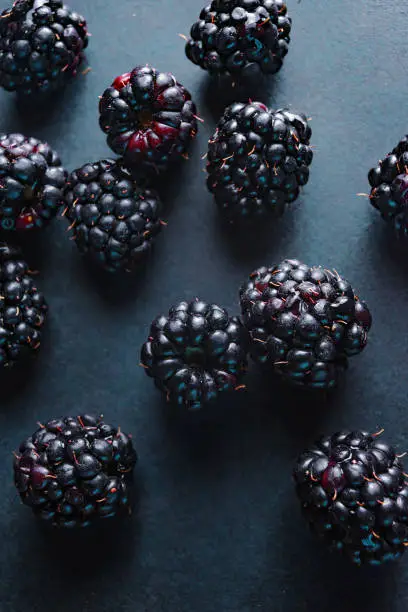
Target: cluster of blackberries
[
  {"x": 40, "y": 46},
  {"x": 300, "y": 322}
]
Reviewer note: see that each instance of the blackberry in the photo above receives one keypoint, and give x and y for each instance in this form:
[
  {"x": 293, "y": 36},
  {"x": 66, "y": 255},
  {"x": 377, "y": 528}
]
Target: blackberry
[
  {"x": 149, "y": 117},
  {"x": 112, "y": 218},
  {"x": 240, "y": 37},
  {"x": 74, "y": 470},
  {"x": 195, "y": 353},
  {"x": 32, "y": 181},
  {"x": 258, "y": 159},
  {"x": 22, "y": 307},
  {"x": 39, "y": 45},
  {"x": 303, "y": 322},
  {"x": 353, "y": 493},
  {"x": 389, "y": 187}
]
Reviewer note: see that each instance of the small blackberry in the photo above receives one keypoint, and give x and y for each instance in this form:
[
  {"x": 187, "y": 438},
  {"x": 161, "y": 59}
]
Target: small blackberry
[
  {"x": 303, "y": 322},
  {"x": 258, "y": 159},
  {"x": 39, "y": 45},
  {"x": 240, "y": 37},
  {"x": 389, "y": 187},
  {"x": 354, "y": 495},
  {"x": 149, "y": 117},
  {"x": 22, "y": 307},
  {"x": 31, "y": 183},
  {"x": 75, "y": 469},
  {"x": 112, "y": 218},
  {"x": 195, "y": 353}
]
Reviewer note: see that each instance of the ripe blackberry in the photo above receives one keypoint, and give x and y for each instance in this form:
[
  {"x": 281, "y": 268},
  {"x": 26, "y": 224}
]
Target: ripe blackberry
[
  {"x": 195, "y": 353},
  {"x": 239, "y": 37},
  {"x": 39, "y": 45},
  {"x": 75, "y": 469},
  {"x": 112, "y": 218},
  {"x": 149, "y": 118},
  {"x": 22, "y": 307},
  {"x": 389, "y": 187},
  {"x": 354, "y": 495},
  {"x": 32, "y": 181},
  {"x": 258, "y": 159},
  {"x": 303, "y": 322}
]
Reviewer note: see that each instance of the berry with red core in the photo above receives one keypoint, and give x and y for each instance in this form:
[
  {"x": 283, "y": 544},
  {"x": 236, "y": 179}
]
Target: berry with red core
[
  {"x": 149, "y": 118},
  {"x": 333, "y": 479}
]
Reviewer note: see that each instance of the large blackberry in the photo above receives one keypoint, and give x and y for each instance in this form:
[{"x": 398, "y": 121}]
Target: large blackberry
[
  {"x": 149, "y": 118},
  {"x": 75, "y": 469},
  {"x": 237, "y": 37},
  {"x": 354, "y": 495},
  {"x": 195, "y": 353},
  {"x": 22, "y": 307},
  {"x": 112, "y": 218},
  {"x": 258, "y": 159},
  {"x": 31, "y": 183},
  {"x": 304, "y": 322},
  {"x": 389, "y": 187},
  {"x": 40, "y": 44}
]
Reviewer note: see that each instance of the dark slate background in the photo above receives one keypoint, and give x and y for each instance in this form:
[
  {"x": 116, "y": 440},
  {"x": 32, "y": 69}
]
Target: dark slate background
[{"x": 218, "y": 526}]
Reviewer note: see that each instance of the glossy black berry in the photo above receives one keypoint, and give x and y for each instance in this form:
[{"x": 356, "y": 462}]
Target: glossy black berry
[
  {"x": 304, "y": 323},
  {"x": 257, "y": 160},
  {"x": 240, "y": 37},
  {"x": 112, "y": 218},
  {"x": 354, "y": 495},
  {"x": 68, "y": 473},
  {"x": 195, "y": 352},
  {"x": 22, "y": 307},
  {"x": 389, "y": 187},
  {"x": 32, "y": 181},
  {"x": 149, "y": 117},
  {"x": 40, "y": 45}
]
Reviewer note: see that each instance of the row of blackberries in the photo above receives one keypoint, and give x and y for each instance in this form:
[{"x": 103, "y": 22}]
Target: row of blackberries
[{"x": 76, "y": 470}]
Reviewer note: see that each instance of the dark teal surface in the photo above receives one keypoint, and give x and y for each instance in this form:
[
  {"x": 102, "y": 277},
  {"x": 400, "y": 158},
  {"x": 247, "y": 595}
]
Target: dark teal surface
[{"x": 218, "y": 527}]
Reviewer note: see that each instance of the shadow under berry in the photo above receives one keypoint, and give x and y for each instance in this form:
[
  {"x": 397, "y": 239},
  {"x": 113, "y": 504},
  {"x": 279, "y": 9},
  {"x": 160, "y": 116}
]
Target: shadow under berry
[{"x": 35, "y": 245}]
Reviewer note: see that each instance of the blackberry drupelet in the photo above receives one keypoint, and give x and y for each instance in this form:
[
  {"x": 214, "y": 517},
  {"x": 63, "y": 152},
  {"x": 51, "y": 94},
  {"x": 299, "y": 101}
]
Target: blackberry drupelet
[
  {"x": 240, "y": 37},
  {"x": 74, "y": 470},
  {"x": 389, "y": 187},
  {"x": 149, "y": 117},
  {"x": 258, "y": 159},
  {"x": 32, "y": 181},
  {"x": 40, "y": 45},
  {"x": 354, "y": 494},
  {"x": 112, "y": 218},
  {"x": 22, "y": 307},
  {"x": 303, "y": 322},
  {"x": 195, "y": 353}
]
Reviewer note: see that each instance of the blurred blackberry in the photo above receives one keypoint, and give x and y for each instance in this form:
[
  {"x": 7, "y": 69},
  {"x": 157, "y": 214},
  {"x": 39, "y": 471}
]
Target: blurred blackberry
[
  {"x": 240, "y": 37},
  {"x": 31, "y": 183},
  {"x": 258, "y": 159},
  {"x": 112, "y": 218},
  {"x": 75, "y": 469},
  {"x": 149, "y": 117},
  {"x": 22, "y": 307},
  {"x": 195, "y": 353},
  {"x": 304, "y": 322},
  {"x": 41, "y": 46},
  {"x": 389, "y": 187},
  {"x": 353, "y": 493}
]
